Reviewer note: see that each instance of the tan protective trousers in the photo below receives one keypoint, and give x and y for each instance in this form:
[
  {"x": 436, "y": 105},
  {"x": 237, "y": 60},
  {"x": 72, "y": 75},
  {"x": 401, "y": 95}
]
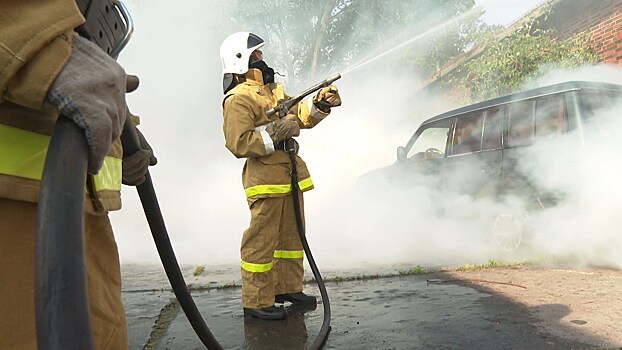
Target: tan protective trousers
[
  {"x": 17, "y": 264},
  {"x": 272, "y": 228}
]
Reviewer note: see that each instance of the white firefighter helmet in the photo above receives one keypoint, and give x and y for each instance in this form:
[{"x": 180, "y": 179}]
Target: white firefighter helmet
[{"x": 236, "y": 50}]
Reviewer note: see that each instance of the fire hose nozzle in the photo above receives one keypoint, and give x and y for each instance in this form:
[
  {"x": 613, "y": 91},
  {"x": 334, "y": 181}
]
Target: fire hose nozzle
[
  {"x": 284, "y": 105},
  {"x": 333, "y": 78}
]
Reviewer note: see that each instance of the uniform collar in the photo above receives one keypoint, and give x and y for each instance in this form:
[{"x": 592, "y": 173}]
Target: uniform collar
[{"x": 254, "y": 75}]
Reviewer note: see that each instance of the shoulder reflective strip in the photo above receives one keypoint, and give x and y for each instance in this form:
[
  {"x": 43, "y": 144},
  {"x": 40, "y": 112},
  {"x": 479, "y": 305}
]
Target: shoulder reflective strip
[
  {"x": 289, "y": 254},
  {"x": 23, "y": 153},
  {"x": 267, "y": 140},
  {"x": 250, "y": 267},
  {"x": 276, "y": 189}
]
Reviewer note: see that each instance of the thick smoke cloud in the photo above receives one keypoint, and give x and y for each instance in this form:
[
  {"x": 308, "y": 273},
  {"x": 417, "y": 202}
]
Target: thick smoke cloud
[
  {"x": 582, "y": 228},
  {"x": 198, "y": 181}
]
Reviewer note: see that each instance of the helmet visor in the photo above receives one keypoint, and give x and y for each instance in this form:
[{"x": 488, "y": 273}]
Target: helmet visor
[{"x": 253, "y": 40}]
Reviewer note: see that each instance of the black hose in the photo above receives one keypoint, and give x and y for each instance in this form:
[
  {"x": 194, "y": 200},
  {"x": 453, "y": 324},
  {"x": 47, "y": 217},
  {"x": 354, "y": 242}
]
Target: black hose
[
  {"x": 320, "y": 340},
  {"x": 149, "y": 201},
  {"x": 61, "y": 299}
]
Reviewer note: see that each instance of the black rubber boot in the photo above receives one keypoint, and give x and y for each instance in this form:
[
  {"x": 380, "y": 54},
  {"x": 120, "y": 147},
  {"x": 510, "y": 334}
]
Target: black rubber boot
[
  {"x": 295, "y": 298},
  {"x": 269, "y": 313}
]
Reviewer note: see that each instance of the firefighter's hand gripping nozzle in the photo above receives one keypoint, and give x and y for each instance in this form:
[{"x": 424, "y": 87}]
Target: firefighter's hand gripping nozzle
[{"x": 284, "y": 105}]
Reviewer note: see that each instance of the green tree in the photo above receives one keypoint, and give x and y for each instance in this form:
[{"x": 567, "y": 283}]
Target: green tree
[
  {"x": 309, "y": 39},
  {"x": 451, "y": 41},
  {"x": 505, "y": 65}
]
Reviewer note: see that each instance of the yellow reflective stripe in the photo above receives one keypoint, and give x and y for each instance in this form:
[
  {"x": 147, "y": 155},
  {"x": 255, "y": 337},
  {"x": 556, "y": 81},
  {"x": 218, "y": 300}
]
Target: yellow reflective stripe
[
  {"x": 22, "y": 154},
  {"x": 250, "y": 267},
  {"x": 304, "y": 184},
  {"x": 263, "y": 189},
  {"x": 289, "y": 254},
  {"x": 109, "y": 176},
  {"x": 276, "y": 189}
]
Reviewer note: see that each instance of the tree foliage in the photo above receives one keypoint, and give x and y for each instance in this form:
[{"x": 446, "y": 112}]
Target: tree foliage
[
  {"x": 309, "y": 39},
  {"x": 505, "y": 65}
]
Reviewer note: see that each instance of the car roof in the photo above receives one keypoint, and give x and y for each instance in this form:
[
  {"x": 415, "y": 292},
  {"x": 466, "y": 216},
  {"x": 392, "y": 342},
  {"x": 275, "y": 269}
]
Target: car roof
[{"x": 527, "y": 94}]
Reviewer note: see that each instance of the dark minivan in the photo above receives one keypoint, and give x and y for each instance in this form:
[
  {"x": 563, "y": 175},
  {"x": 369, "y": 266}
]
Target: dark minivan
[{"x": 476, "y": 149}]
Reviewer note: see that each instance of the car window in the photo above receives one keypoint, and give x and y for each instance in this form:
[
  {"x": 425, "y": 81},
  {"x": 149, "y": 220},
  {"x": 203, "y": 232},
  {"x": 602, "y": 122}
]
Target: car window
[
  {"x": 431, "y": 142},
  {"x": 550, "y": 116},
  {"x": 493, "y": 126},
  {"x": 467, "y": 136},
  {"x": 521, "y": 124},
  {"x": 598, "y": 107},
  {"x": 597, "y": 102}
]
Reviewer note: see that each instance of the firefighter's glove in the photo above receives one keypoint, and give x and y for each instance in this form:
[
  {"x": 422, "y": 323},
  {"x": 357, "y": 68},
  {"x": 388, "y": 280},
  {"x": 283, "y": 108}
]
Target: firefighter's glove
[
  {"x": 284, "y": 128},
  {"x": 326, "y": 98},
  {"x": 90, "y": 90},
  {"x": 135, "y": 166}
]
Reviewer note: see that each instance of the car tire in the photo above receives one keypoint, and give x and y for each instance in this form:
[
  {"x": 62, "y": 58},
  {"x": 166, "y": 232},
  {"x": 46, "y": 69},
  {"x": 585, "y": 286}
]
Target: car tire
[{"x": 508, "y": 230}]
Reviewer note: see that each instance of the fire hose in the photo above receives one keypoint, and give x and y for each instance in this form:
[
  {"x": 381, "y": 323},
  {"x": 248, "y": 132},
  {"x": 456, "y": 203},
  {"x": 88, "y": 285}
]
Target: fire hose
[
  {"x": 319, "y": 341},
  {"x": 61, "y": 299},
  {"x": 61, "y": 302},
  {"x": 282, "y": 108}
]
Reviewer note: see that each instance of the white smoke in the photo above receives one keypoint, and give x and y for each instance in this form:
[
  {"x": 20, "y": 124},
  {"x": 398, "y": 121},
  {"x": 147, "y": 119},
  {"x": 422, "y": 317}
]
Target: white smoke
[
  {"x": 582, "y": 228},
  {"x": 198, "y": 181}
]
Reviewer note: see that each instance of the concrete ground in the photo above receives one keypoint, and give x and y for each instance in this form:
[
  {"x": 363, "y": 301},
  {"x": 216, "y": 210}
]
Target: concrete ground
[{"x": 520, "y": 307}]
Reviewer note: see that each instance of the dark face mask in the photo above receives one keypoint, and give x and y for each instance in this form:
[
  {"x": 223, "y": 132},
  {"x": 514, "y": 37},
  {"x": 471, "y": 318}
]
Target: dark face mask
[{"x": 266, "y": 72}]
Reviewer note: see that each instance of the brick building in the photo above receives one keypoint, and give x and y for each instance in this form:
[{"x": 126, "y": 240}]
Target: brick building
[{"x": 601, "y": 18}]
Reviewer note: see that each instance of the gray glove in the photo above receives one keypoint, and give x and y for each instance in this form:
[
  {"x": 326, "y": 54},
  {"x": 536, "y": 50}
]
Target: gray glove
[
  {"x": 90, "y": 90},
  {"x": 284, "y": 128},
  {"x": 135, "y": 166}
]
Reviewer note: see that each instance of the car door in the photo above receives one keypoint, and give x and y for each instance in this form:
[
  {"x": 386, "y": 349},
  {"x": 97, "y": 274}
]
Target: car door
[
  {"x": 532, "y": 125},
  {"x": 474, "y": 157},
  {"x": 426, "y": 151}
]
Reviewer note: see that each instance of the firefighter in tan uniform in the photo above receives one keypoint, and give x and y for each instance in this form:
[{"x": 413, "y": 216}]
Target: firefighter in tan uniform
[
  {"x": 271, "y": 250},
  {"x": 47, "y": 70}
]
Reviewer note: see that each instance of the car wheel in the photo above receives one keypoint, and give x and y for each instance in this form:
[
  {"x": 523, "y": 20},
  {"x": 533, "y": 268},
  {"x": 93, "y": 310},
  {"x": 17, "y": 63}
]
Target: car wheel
[{"x": 508, "y": 230}]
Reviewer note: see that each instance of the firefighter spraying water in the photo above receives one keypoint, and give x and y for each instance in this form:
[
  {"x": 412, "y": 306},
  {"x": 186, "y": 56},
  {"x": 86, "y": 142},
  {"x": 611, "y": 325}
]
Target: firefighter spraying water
[{"x": 274, "y": 176}]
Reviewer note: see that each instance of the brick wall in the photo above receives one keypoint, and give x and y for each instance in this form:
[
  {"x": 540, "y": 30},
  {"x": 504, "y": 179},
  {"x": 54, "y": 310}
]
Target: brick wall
[{"x": 601, "y": 18}]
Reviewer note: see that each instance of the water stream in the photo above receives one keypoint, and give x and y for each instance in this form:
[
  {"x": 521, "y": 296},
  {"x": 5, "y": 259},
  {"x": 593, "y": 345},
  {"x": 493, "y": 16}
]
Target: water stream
[{"x": 454, "y": 21}]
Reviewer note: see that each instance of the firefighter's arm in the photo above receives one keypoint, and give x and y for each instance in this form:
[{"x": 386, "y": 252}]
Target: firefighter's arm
[
  {"x": 312, "y": 111},
  {"x": 242, "y": 138},
  {"x": 36, "y": 41}
]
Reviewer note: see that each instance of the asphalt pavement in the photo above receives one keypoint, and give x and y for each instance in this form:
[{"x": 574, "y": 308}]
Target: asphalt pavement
[{"x": 371, "y": 312}]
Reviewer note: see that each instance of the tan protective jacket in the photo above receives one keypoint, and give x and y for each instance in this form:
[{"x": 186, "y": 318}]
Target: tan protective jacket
[
  {"x": 35, "y": 44},
  {"x": 266, "y": 172}
]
